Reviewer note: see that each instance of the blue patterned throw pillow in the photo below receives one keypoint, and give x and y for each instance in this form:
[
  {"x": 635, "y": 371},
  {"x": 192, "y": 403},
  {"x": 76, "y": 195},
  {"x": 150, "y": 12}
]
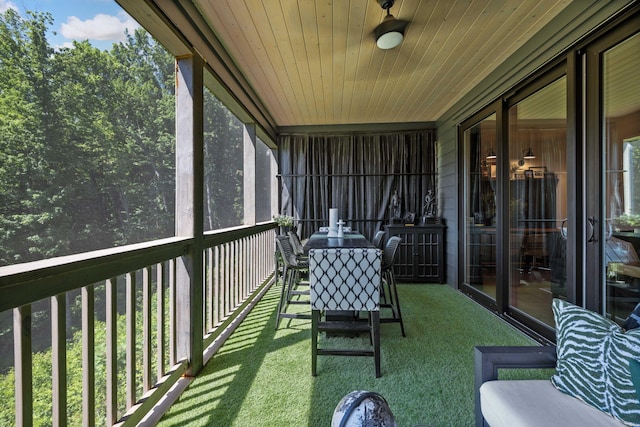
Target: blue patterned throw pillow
[
  {"x": 593, "y": 361},
  {"x": 634, "y": 368}
]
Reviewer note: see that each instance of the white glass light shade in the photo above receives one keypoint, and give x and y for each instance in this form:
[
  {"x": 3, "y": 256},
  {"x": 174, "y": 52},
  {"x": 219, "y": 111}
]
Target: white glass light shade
[
  {"x": 529, "y": 154},
  {"x": 389, "y": 40}
]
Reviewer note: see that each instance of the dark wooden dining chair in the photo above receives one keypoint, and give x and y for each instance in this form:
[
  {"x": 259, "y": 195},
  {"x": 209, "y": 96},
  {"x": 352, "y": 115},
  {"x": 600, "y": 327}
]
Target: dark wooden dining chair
[
  {"x": 378, "y": 239},
  {"x": 390, "y": 292},
  {"x": 345, "y": 279},
  {"x": 296, "y": 244},
  {"x": 294, "y": 270}
]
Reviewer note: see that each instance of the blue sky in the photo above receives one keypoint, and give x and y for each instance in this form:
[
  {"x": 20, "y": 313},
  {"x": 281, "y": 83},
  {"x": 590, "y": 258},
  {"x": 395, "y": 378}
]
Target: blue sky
[{"x": 102, "y": 22}]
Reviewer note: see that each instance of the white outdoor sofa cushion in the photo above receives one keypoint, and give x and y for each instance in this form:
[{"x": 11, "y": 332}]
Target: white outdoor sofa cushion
[{"x": 535, "y": 403}]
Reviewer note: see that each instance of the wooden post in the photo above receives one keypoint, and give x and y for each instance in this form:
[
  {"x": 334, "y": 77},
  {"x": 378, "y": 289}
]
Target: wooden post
[
  {"x": 88, "y": 357},
  {"x": 274, "y": 184},
  {"x": 59, "y": 360},
  {"x": 249, "y": 175},
  {"x": 189, "y": 208},
  {"x": 23, "y": 366}
]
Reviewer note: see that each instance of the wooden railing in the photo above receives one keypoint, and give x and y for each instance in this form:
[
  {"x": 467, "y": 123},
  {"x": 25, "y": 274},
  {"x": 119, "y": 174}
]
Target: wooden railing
[{"x": 131, "y": 293}]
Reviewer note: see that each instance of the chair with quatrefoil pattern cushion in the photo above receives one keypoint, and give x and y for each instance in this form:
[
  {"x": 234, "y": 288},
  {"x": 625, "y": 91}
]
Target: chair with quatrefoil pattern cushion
[{"x": 345, "y": 279}]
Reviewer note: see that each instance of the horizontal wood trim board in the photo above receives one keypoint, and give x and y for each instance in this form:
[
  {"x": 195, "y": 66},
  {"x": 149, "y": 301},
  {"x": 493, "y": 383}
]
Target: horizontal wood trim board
[{"x": 139, "y": 411}]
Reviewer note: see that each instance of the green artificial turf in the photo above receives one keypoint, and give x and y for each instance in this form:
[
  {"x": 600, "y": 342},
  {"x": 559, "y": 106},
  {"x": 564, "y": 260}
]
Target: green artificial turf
[{"x": 262, "y": 377}]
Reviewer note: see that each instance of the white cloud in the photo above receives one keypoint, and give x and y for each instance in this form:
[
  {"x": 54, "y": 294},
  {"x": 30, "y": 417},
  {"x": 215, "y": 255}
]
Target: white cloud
[
  {"x": 6, "y": 5},
  {"x": 101, "y": 27},
  {"x": 68, "y": 45}
]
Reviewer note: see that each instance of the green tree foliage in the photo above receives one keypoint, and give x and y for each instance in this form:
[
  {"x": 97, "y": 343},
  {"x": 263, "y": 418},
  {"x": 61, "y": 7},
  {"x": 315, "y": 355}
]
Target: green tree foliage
[
  {"x": 223, "y": 139},
  {"x": 87, "y": 161},
  {"x": 28, "y": 208},
  {"x": 88, "y": 147}
]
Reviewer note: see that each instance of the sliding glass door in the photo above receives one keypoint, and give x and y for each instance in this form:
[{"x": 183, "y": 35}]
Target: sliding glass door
[
  {"x": 479, "y": 207},
  {"x": 615, "y": 88},
  {"x": 550, "y": 204},
  {"x": 537, "y": 199},
  {"x": 515, "y": 206}
]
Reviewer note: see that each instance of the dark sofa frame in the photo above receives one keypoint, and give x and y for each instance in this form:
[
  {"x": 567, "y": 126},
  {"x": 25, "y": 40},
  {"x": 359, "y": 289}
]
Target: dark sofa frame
[{"x": 489, "y": 359}]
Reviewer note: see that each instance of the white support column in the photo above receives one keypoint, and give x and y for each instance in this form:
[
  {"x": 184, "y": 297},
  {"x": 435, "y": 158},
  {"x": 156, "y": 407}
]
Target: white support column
[
  {"x": 189, "y": 208},
  {"x": 249, "y": 168}
]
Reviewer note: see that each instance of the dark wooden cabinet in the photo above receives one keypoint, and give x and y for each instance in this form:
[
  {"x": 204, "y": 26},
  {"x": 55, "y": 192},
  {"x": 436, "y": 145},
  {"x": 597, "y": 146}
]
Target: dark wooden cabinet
[{"x": 421, "y": 252}]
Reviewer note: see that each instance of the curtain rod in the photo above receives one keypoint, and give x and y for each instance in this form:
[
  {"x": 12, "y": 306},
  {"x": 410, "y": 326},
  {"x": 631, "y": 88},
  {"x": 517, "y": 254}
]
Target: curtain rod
[{"x": 355, "y": 175}]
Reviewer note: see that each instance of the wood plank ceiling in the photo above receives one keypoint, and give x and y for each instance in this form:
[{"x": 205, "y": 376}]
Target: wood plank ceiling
[{"x": 316, "y": 62}]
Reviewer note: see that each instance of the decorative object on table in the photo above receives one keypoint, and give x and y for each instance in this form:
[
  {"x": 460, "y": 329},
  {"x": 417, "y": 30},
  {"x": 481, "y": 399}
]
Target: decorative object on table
[
  {"x": 363, "y": 408},
  {"x": 395, "y": 208},
  {"x": 432, "y": 220},
  {"x": 341, "y": 228},
  {"x": 430, "y": 209},
  {"x": 409, "y": 218},
  {"x": 285, "y": 222},
  {"x": 333, "y": 222}
]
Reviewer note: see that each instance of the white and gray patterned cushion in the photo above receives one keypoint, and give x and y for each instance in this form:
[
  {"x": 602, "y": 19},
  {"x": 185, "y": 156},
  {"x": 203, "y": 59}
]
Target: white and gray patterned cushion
[
  {"x": 345, "y": 279},
  {"x": 593, "y": 361}
]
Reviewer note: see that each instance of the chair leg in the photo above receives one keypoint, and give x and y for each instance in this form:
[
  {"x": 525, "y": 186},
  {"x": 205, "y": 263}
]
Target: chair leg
[
  {"x": 386, "y": 288},
  {"x": 376, "y": 341},
  {"x": 294, "y": 289},
  {"x": 283, "y": 296},
  {"x": 383, "y": 291},
  {"x": 397, "y": 302},
  {"x": 315, "y": 318},
  {"x": 389, "y": 280},
  {"x": 291, "y": 284}
]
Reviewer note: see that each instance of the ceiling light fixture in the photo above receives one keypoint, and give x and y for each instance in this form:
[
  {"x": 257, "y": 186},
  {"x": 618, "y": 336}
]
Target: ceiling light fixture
[
  {"x": 529, "y": 154},
  {"x": 491, "y": 155},
  {"x": 390, "y": 32}
]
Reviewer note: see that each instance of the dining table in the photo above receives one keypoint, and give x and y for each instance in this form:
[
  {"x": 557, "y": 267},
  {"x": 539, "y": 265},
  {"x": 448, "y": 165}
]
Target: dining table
[{"x": 321, "y": 240}]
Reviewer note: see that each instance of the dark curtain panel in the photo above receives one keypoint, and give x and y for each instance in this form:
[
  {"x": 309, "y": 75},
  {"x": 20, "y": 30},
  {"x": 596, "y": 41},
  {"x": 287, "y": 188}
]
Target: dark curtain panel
[
  {"x": 475, "y": 170},
  {"x": 537, "y": 202},
  {"x": 356, "y": 174}
]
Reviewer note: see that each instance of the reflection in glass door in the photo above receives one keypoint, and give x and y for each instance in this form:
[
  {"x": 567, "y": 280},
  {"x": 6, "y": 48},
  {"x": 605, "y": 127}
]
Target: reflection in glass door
[
  {"x": 480, "y": 206},
  {"x": 621, "y": 102},
  {"x": 538, "y": 200}
]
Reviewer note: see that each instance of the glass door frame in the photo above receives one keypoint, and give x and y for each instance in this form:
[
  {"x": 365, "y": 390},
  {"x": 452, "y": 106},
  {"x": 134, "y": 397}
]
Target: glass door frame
[
  {"x": 540, "y": 81},
  {"x": 554, "y": 71},
  {"x": 595, "y": 142},
  {"x": 484, "y": 299},
  {"x": 582, "y": 66}
]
